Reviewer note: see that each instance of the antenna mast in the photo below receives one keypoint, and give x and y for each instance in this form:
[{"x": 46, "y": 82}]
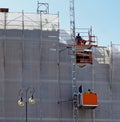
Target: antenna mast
[{"x": 42, "y": 8}]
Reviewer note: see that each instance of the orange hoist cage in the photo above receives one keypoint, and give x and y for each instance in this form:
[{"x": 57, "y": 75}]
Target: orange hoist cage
[
  {"x": 83, "y": 52},
  {"x": 83, "y": 48}
]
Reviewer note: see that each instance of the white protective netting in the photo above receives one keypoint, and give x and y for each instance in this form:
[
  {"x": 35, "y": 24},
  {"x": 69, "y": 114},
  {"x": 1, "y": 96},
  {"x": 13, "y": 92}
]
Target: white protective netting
[{"x": 28, "y": 21}]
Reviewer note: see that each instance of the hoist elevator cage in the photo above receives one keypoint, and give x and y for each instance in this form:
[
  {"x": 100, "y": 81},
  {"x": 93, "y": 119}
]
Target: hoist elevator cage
[{"x": 31, "y": 56}]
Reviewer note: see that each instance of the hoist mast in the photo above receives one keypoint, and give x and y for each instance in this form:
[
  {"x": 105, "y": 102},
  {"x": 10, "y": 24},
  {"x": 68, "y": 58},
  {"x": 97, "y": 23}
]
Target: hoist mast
[
  {"x": 72, "y": 20},
  {"x": 74, "y": 86}
]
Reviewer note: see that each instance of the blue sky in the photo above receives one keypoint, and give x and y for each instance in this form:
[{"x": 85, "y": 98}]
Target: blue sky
[{"x": 102, "y": 15}]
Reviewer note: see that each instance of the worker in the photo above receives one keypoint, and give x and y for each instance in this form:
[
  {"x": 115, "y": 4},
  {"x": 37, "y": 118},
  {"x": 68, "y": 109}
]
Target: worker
[
  {"x": 78, "y": 39},
  {"x": 89, "y": 91},
  {"x": 80, "y": 88}
]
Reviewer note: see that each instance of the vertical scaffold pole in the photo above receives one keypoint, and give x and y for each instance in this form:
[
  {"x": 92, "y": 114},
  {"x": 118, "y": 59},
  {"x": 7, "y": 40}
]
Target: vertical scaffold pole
[{"x": 74, "y": 86}]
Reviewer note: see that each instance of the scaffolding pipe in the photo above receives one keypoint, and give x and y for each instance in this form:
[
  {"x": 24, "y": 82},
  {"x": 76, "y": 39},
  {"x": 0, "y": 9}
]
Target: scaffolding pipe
[{"x": 23, "y": 23}]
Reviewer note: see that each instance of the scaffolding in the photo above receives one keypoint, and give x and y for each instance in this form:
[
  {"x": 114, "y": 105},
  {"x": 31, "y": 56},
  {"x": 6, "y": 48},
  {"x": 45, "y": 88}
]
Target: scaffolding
[
  {"x": 28, "y": 21},
  {"x": 26, "y": 59}
]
